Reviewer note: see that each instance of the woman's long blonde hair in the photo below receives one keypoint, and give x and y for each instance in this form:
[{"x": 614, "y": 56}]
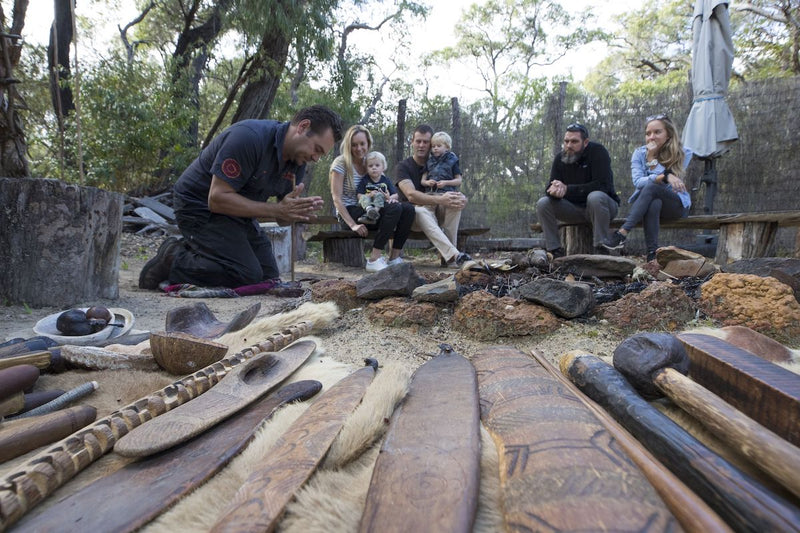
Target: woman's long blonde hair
[
  {"x": 671, "y": 154},
  {"x": 346, "y": 152}
]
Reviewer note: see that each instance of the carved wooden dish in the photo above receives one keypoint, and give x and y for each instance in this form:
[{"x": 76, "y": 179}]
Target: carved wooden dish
[{"x": 180, "y": 353}]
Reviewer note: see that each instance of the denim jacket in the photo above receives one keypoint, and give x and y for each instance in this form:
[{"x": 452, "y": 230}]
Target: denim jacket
[{"x": 642, "y": 174}]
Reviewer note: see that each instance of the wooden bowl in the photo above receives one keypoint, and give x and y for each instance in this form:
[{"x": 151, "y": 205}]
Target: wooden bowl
[{"x": 181, "y": 354}]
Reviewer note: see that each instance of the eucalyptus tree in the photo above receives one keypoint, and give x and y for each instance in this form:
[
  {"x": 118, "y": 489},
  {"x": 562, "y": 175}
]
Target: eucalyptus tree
[
  {"x": 652, "y": 49},
  {"x": 13, "y": 146},
  {"x": 507, "y": 42},
  {"x": 767, "y": 37}
]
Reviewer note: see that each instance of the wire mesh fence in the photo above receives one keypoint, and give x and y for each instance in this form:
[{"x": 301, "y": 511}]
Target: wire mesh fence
[{"x": 505, "y": 172}]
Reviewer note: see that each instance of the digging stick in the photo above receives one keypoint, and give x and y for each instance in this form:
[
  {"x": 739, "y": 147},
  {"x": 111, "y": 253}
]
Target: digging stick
[
  {"x": 743, "y": 503},
  {"x": 43, "y": 474}
]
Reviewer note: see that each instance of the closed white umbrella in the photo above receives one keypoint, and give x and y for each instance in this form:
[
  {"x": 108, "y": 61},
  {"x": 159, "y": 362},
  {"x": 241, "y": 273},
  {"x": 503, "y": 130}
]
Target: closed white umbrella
[{"x": 710, "y": 129}]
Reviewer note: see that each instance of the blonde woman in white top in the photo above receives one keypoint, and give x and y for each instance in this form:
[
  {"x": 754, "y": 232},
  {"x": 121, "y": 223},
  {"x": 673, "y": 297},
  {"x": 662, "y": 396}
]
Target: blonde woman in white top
[{"x": 346, "y": 172}]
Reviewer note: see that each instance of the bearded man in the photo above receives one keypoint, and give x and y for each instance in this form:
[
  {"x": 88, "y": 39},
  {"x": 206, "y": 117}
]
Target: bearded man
[{"x": 581, "y": 189}]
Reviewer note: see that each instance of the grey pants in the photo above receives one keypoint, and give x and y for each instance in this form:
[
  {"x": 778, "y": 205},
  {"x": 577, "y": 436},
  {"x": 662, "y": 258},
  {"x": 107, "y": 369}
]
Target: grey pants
[
  {"x": 655, "y": 203},
  {"x": 600, "y": 209}
]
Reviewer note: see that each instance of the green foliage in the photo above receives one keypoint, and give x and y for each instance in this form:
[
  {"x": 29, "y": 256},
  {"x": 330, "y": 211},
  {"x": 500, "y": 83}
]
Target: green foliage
[
  {"x": 653, "y": 50},
  {"x": 766, "y": 38},
  {"x": 129, "y": 129},
  {"x": 505, "y": 41}
]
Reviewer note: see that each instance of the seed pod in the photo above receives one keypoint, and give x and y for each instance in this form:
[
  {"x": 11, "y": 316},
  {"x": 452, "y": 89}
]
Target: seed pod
[
  {"x": 100, "y": 312},
  {"x": 73, "y": 322}
]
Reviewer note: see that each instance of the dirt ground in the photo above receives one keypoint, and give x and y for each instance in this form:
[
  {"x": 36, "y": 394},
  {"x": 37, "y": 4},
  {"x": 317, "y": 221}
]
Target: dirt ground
[{"x": 350, "y": 338}]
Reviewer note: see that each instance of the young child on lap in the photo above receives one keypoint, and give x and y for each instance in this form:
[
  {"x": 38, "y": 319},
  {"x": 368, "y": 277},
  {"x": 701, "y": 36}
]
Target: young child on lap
[
  {"x": 375, "y": 190},
  {"x": 443, "y": 173}
]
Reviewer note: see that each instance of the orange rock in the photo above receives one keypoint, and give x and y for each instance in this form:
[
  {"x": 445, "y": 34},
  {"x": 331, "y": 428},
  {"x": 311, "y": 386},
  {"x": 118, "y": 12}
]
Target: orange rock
[
  {"x": 760, "y": 303},
  {"x": 485, "y": 316},
  {"x": 401, "y": 312}
]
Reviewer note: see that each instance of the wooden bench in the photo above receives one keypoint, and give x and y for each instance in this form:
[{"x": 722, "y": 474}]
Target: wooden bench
[
  {"x": 741, "y": 235},
  {"x": 346, "y": 247}
]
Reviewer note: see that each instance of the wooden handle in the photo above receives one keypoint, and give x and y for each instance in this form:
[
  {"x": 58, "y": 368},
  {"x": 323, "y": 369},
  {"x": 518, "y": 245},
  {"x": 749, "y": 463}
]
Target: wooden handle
[
  {"x": 21, "y": 436},
  {"x": 13, "y": 404},
  {"x": 17, "y": 379},
  {"x": 765, "y": 449},
  {"x": 39, "y": 477},
  {"x": 691, "y": 511},
  {"x": 743, "y": 503},
  {"x": 40, "y": 360}
]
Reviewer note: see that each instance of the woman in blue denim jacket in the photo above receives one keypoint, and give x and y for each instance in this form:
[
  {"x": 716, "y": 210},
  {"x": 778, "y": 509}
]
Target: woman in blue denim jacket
[{"x": 657, "y": 169}]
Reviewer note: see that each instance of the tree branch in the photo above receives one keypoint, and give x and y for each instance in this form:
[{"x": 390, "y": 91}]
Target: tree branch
[{"x": 360, "y": 26}]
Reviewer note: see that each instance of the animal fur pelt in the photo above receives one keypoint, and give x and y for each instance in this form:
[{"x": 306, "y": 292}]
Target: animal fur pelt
[
  {"x": 334, "y": 497},
  {"x": 320, "y": 314}
]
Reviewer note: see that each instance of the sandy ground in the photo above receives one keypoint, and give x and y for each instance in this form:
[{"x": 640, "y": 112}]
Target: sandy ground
[{"x": 350, "y": 338}]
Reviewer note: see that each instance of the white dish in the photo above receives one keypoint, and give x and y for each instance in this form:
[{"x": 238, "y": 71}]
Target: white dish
[{"x": 47, "y": 328}]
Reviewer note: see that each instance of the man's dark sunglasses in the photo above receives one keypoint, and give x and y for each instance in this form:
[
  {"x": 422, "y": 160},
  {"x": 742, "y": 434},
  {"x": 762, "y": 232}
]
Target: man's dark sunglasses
[{"x": 578, "y": 127}]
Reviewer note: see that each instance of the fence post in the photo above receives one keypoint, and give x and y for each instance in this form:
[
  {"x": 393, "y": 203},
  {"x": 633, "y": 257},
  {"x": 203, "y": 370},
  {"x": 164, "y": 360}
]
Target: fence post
[
  {"x": 558, "y": 116},
  {"x": 399, "y": 148},
  {"x": 456, "y": 133}
]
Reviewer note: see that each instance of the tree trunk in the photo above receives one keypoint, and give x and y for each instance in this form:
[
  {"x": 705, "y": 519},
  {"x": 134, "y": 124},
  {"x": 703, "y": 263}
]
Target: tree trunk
[
  {"x": 265, "y": 72},
  {"x": 61, "y": 34},
  {"x": 13, "y": 146},
  {"x": 60, "y": 244}
]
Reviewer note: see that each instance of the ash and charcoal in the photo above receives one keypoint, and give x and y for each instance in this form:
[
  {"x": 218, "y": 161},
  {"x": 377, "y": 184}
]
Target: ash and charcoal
[{"x": 504, "y": 284}]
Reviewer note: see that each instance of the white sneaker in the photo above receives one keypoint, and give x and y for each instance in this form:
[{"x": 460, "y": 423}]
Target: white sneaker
[
  {"x": 395, "y": 261},
  {"x": 378, "y": 264}
]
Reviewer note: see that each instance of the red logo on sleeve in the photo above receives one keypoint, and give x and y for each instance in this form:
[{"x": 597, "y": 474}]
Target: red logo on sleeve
[
  {"x": 289, "y": 176},
  {"x": 231, "y": 168}
]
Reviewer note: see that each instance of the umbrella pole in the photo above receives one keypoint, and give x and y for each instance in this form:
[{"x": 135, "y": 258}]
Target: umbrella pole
[{"x": 710, "y": 180}]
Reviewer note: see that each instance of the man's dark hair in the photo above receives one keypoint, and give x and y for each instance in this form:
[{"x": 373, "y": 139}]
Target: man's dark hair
[
  {"x": 580, "y": 128},
  {"x": 423, "y": 129},
  {"x": 321, "y": 119}
]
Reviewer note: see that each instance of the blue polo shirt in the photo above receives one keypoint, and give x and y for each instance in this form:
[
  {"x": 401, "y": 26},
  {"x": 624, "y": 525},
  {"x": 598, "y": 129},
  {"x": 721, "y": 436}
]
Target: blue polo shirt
[{"x": 247, "y": 156}]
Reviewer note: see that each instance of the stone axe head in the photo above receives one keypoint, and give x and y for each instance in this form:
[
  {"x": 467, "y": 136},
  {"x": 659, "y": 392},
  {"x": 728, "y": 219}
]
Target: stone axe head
[{"x": 640, "y": 356}]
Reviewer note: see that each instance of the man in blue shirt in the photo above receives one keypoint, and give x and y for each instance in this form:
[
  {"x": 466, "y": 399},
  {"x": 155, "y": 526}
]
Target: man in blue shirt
[{"x": 222, "y": 194}]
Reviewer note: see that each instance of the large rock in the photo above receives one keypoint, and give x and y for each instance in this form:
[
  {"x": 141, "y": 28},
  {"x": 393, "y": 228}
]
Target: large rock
[
  {"x": 763, "y": 266},
  {"x": 485, "y": 317},
  {"x": 601, "y": 266},
  {"x": 401, "y": 312},
  {"x": 785, "y": 270},
  {"x": 341, "y": 292},
  {"x": 396, "y": 280},
  {"x": 640, "y": 356},
  {"x": 763, "y": 304},
  {"x": 661, "y": 306},
  {"x": 568, "y": 300},
  {"x": 444, "y": 291}
]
